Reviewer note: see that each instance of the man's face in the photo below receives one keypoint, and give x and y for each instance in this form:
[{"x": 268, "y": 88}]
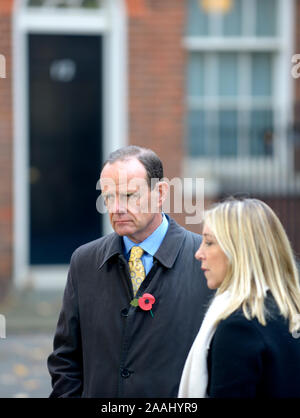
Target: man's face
[{"x": 127, "y": 196}]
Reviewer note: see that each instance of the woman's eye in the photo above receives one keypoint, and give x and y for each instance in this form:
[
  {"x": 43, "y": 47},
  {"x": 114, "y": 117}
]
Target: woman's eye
[{"x": 208, "y": 243}]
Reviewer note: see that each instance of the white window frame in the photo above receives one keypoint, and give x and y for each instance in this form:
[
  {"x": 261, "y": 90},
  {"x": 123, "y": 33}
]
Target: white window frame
[
  {"x": 281, "y": 163},
  {"x": 109, "y": 22}
]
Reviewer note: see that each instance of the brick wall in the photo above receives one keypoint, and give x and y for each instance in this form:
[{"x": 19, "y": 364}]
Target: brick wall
[
  {"x": 156, "y": 80},
  {"x": 156, "y": 88},
  {"x": 156, "y": 83},
  {"x": 6, "y": 156}
]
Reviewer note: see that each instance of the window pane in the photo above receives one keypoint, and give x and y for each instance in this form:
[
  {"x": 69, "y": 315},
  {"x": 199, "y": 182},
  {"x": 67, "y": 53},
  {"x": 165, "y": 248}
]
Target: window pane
[
  {"x": 35, "y": 3},
  {"x": 232, "y": 19},
  {"x": 261, "y": 133},
  {"x": 212, "y": 133},
  {"x": 262, "y": 74},
  {"x": 266, "y": 17},
  {"x": 91, "y": 4},
  {"x": 196, "y": 133},
  {"x": 195, "y": 76},
  {"x": 197, "y": 19},
  {"x": 228, "y": 74},
  {"x": 228, "y": 133}
]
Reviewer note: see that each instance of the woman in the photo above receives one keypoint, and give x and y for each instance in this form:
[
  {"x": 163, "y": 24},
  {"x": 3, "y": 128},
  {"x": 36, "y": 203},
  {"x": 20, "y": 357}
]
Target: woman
[{"x": 248, "y": 344}]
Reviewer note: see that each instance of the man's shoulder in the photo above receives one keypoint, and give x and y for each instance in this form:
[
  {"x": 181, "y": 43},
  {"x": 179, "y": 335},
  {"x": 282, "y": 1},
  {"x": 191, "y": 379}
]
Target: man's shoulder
[
  {"x": 181, "y": 238},
  {"x": 183, "y": 230},
  {"x": 96, "y": 246}
]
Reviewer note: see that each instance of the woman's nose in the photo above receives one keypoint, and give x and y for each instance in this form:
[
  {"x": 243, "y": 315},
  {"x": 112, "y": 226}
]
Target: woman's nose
[{"x": 199, "y": 254}]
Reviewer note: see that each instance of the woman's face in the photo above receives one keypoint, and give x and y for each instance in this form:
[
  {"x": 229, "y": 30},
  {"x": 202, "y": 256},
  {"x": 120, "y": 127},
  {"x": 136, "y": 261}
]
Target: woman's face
[{"x": 214, "y": 262}]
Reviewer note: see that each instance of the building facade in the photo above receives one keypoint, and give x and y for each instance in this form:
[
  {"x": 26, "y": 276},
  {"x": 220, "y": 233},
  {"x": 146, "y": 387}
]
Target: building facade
[{"x": 210, "y": 85}]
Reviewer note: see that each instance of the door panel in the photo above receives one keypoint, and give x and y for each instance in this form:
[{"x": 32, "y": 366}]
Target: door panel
[{"x": 65, "y": 144}]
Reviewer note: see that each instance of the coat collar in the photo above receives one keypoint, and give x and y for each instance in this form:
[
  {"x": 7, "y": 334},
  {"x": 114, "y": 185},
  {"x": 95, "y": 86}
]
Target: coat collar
[
  {"x": 169, "y": 249},
  {"x": 166, "y": 254}
]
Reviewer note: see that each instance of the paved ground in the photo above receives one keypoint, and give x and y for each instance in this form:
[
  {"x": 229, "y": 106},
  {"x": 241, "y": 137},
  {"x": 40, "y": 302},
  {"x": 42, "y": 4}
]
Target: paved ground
[
  {"x": 30, "y": 318},
  {"x": 23, "y": 366}
]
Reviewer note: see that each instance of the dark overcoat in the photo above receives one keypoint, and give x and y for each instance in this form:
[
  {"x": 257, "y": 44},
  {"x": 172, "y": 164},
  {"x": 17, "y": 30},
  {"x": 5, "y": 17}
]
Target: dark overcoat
[
  {"x": 249, "y": 360},
  {"x": 104, "y": 346}
]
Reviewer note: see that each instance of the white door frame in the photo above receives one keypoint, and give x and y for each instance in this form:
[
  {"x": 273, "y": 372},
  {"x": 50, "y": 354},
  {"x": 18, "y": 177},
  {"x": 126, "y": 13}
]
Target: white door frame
[{"x": 111, "y": 24}]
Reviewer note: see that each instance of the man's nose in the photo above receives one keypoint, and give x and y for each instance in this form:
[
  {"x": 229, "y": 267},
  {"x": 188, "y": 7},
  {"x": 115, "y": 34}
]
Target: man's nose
[{"x": 118, "y": 206}]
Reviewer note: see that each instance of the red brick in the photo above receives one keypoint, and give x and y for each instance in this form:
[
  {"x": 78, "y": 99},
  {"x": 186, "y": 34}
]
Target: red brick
[
  {"x": 6, "y": 151},
  {"x": 156, "y": 88},
  {"x": 136, "y": 8},
  {"x": 6, "y": 7}
]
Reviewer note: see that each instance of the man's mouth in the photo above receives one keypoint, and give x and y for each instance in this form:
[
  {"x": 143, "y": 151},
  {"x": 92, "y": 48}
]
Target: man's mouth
[{"x": 121, "y": 221}]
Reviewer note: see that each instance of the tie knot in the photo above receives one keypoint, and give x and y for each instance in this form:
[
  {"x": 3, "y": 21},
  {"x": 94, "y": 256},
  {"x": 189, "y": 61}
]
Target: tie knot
[{"x": 135, "y": 253}]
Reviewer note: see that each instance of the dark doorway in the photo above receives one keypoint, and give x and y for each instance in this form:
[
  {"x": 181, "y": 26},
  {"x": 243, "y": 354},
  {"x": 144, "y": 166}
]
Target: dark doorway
[{"x": 65, "y": 90}]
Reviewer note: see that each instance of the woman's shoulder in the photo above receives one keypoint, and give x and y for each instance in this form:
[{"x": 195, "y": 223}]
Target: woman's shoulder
[
  {"x": 236, "y": 325},
  {"x": 237, "y": 342}
]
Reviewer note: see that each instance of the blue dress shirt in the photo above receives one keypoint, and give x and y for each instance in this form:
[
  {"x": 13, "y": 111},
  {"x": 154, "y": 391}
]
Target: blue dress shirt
[{"x": 150, "y": 245}]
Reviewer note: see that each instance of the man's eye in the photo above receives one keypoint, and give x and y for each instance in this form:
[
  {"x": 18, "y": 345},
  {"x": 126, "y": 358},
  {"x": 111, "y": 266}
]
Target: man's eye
[
  {"x": 132, "y": 195},
  {"x": 108, "y": 198}
]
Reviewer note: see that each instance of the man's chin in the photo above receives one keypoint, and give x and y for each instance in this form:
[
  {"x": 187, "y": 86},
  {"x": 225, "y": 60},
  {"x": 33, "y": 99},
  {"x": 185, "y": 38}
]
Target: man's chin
[{"x": 123, "y": 228}]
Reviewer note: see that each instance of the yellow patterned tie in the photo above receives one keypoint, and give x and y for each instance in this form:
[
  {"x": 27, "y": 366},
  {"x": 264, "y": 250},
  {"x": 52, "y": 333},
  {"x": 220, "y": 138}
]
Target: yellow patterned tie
[{"x": 136, "y": 268}]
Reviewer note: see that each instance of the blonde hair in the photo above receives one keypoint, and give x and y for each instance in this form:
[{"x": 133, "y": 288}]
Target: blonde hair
[{"x": 259, "y": 257}]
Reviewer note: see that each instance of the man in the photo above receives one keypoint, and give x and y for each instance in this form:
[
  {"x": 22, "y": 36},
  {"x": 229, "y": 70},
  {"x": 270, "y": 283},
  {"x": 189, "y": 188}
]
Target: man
[{"x": 134, "y": 299}]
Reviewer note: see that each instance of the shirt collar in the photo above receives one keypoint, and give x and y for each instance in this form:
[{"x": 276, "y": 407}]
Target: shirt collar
[
  {"x": 166, "y": 254},
  {"x": 152, "y": 243}
]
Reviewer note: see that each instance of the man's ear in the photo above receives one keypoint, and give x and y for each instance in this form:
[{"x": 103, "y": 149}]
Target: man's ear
[{"x": 162, "y": 191}]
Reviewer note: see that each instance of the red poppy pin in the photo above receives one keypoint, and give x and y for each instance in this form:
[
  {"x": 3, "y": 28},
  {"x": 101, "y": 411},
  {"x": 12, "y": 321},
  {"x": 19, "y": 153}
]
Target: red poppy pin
[{"x": 145, "y": 302}]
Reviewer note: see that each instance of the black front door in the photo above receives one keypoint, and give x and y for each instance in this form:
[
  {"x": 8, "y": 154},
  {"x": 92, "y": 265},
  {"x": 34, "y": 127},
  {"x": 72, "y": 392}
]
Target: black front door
[{"x": 65, "y": 144}]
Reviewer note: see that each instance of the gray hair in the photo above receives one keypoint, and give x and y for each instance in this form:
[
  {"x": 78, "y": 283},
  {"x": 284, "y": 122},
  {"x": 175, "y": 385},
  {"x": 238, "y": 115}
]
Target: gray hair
[{"x": 147, "y": 157}]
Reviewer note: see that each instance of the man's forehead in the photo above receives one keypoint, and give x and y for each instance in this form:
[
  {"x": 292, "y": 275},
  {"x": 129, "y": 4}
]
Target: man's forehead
[
  {"x": 131, "y": 167},
  {"x": 123, "y": 174},
  {"x": 123, "y": 184},
  {"x": 134, "y": 183}
]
